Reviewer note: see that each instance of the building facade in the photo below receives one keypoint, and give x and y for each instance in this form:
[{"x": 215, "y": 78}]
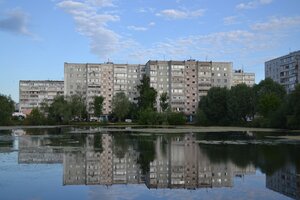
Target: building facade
[
  {"x": 284, "y": 70},
  {"x": 185, "y": 82},
  {"x": 33, "y": 93},
  {"x": 239, "y": 77},
  {"x": 221, "y": 74},
  {"x": 107, "y": 79}
]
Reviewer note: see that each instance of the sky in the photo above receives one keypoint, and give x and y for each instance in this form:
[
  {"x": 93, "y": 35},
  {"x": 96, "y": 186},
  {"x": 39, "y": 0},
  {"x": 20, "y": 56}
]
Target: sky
[{"x": 38, "y": 36}]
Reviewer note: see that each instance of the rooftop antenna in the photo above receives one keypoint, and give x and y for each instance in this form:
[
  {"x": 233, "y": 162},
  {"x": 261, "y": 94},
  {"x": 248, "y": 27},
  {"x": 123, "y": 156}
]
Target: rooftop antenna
[{"x": 205, "y": 58}]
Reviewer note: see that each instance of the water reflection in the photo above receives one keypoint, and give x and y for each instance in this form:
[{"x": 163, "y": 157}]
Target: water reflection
[
  {"x": 159, "y": 161},
  {"x": 186, "y": 166},
  {"x": 285, "y": 181},
  {"x": 178, "y": 163}
]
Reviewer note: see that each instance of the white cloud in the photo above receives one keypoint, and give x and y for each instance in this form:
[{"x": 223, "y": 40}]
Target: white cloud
[
  {"x": 265, "y": 1},
  {"x": 230, "y": 20},
  {"x": 141, "y": 28},
  {"x": 253, "y": 4},
  {"x": 15, "y": 21},
  {"x": 101, "y": 3},
  {"x": 92, "y": 22},
  {"x": 277, "y": 24},
  {"x": 137, "y": 28},
  {"x": 151, "y": 24},
  {"x": 173, "y": 14},
  {"x": 146, "y": 10},
  {"x": 213, "y": 45}
]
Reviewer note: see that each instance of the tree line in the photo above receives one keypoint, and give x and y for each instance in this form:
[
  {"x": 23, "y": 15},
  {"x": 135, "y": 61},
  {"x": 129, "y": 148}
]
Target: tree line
[
  {"x": 264, "y": 105},
  {"x": 64, "y": 110},
  {"x": 145, "y": 111}
]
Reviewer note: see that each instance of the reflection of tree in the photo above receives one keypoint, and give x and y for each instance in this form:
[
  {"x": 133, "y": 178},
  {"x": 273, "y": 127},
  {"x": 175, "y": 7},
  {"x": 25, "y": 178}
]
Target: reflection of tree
[
  {"x": 98, "y": 143},
  {"x": 224, "y": 136},
  {"x": 268, "y": 158},
  {"x": 72, "y": 140},
  {"x": 120, "y": 144},
  {"x": 147, "y": 152},
  {"x": 44, "y": 131},
  {"x": 6, "y": 144}
]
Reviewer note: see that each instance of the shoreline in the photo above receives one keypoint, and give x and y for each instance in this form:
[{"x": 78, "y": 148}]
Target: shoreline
[
  {"x": 2, "y": 128},
  {"x": 155, "y": 129}
]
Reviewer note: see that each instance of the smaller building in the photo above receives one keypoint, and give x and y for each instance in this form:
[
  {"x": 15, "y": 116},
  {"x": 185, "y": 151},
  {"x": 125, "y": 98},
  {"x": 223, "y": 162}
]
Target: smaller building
[
  {"x": 239, "y": 77},
  {"x": 33, "y": 93},
  {"x": 221, "y": 75}
]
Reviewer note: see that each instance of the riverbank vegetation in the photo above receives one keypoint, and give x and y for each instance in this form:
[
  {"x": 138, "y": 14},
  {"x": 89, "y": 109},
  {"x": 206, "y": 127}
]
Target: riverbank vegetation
[{"x": 264, "y": 105}]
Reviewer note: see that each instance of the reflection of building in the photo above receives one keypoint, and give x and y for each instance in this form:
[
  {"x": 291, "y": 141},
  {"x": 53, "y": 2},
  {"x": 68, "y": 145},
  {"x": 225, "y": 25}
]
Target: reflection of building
[
  {"x": 75, "y": 173},
  {"x": 184, "y": 166},
  {"x": 285, "y": 181},
  {"x": 34, "y": 150},
  {"x": 33, "y": 93},
  {"x": 126, "y": 170},
  {"x": 91, "y": 166},
  {"x": 97, "y": 159}
]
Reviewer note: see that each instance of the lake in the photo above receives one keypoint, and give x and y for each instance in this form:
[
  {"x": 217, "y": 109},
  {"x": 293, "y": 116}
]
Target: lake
[{"x": 94, "y": 163}]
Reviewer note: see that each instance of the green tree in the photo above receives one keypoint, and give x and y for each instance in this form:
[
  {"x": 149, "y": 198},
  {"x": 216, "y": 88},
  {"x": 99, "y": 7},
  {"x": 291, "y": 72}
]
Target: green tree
[
  {"x": 213, "y": 107},
  {"x": 147, "y": 94},
  {"x": 268, "y": 103},
  {"x": 163, "y": 99},
  {"x": 269, "y": 96},
  {"x": 268, "y": 86},
  {"x": 120, "y": 105},
  {"x": 44, "y": 107},
  {"x": 176, "y": 118},
  {"x": 77, "y": 106},
  {"x": 60, "y": 110},
  {"x": 36, "y": 117},
  {"x": 240, "y": 103},
  {"x": 150, "y": 117},
  {"x": 6, "y": 109},
  {"x": 293, "y": 109},
  {"x": 133, "y": 114},
  {"x": 98, "y": 105}
]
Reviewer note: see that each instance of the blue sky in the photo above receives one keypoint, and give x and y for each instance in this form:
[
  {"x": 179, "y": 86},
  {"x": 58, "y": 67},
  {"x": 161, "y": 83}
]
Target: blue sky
[{"x": 38, "y": 36}]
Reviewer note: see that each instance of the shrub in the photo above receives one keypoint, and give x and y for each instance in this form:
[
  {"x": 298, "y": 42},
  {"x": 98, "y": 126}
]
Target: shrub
[{"x": 175, "y": 118}]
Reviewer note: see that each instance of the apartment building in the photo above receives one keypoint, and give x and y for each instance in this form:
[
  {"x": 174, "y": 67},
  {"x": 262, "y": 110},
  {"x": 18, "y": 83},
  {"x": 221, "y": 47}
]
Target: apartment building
[
  {"x": 187, "y": 81},
  {"x": 284, "y": 70},
  {"x": 33, "y": 93},
  {"x": 221, "y": 74},
  {"x": 239, "y": 77},
  {"x": 105, "y": 79}
]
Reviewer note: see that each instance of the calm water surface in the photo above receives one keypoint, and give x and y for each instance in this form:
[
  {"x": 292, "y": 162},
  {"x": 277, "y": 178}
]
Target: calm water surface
[{"x": 70, "y": 163}]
